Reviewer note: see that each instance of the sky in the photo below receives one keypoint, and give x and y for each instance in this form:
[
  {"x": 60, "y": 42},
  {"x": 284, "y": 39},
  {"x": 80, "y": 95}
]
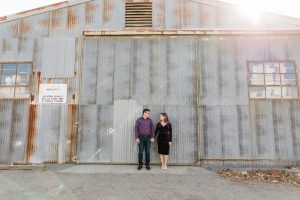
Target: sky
[{"x": 285, "y": 7}]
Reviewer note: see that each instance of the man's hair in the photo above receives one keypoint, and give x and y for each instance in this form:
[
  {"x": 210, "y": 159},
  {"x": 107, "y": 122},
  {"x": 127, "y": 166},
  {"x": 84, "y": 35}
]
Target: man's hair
[{"x": 146, "y": 110}]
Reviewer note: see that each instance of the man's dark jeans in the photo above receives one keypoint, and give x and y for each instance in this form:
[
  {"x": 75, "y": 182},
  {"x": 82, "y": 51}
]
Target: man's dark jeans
[{"x": 145, "y": 143}]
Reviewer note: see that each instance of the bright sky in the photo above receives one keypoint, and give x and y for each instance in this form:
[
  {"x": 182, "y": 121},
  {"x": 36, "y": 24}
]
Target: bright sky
[{"x": 286, "y": 7}]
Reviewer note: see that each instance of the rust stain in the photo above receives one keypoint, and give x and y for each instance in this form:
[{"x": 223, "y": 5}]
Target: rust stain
[
  {"x": 72, "y": 110},
  {"x": 5, "y": 46},
  {"x": 72, "y": 18},
  {"x": 31, "y": 132},
  {"x": 89, "y": 12},
  {"x": 54, "y": 18},
  {"x": 45, "y": 22},
  {"x": 20, "y": 44},
  {"x": 38, "y": 77},
  {"x": 14, "y": 29},
  {"x": 23, "y": 27},
  {"x": 107, "y": 10}
]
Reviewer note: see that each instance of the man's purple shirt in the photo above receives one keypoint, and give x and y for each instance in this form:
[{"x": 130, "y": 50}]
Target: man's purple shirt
[{"x": 144, "y": 127}]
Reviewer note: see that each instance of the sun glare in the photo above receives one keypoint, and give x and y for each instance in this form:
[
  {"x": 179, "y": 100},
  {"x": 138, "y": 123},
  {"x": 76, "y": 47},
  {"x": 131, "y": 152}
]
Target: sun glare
[{"x": 251, "y": 9}]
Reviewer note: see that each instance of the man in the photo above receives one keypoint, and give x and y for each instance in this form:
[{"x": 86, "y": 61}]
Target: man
[{"x": 144, "y": 136}]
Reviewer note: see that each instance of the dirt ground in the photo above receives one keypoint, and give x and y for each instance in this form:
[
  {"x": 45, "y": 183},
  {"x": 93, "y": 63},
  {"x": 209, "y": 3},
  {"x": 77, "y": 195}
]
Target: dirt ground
[{"x": 125, "y": 182}]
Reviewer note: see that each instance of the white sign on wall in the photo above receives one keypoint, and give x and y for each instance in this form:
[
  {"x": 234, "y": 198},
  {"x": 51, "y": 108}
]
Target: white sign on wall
[{"x": 53, "y": 93}]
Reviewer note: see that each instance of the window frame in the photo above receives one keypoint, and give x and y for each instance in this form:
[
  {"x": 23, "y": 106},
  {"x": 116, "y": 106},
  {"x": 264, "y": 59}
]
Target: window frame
[
  {"x": 280, "y": 74},
  {"x": 15, "y": 85}
]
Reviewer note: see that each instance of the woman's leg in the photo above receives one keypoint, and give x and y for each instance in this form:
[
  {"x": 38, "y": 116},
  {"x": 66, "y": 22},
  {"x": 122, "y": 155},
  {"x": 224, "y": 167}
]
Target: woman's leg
[
  {"x": 162, "y": 160},
  {"x": 166, "y": 160}
]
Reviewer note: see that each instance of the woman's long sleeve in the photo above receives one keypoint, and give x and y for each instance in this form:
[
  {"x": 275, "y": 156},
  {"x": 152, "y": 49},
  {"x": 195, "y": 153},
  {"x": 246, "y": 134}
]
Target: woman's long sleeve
[
  {"x": 156, "y": 130},
  {"x": 170, "y": 133}
]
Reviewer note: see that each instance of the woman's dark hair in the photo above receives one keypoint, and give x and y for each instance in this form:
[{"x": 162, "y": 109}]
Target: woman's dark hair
[{"x": 165, "y": 116}]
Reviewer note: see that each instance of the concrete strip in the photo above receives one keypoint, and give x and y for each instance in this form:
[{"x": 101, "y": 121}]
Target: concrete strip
[{"x": 131, "y": 169}]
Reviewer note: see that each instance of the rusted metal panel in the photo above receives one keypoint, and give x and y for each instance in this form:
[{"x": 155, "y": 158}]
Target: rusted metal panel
[
  {"x": 53, "y": 136},
  {"x": 16, "y": 50},
  {"x": 58, "y": 59}
]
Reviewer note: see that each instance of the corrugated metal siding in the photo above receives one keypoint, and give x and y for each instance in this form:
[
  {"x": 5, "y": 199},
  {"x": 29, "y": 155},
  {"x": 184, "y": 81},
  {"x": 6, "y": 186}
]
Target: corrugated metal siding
[
  {"x": 53, "y": 138},
  {"x": 14, "y": 125},
  {"x": 95, "y": 143},
  {"x": 110, "y": 14},
  {"x": 58, "y": 59}
]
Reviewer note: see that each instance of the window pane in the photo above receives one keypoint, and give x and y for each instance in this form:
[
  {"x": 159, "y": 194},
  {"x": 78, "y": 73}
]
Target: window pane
[
  {"x": 8, "y": 80},
  {"x": 22, "y": 79},
  {"x": 256, "y": 79},
  {"x": 256, "y": 68},
  {"x": 23, "y": 68},
  {"x": 7, "y": 92},
  {"x": 22, "y": 92},
  {"x": 0, "y": 69},
  {"x": 272, "y": 79},
  {"x": 288, "y": 79},
  {"x": 290, "y": 92},
  {"x": 273, "y": 92},
  {"x": 257, "y": 92},
  {"x": 287, "y": 67},
  {"x": 272, "y": 67},
  {"x": 9, "y": 69}
]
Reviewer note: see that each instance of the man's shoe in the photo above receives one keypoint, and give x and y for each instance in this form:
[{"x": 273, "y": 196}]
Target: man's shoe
[
  {"x": 148, "y": 167},
  {"x": 140, "y": 167}
]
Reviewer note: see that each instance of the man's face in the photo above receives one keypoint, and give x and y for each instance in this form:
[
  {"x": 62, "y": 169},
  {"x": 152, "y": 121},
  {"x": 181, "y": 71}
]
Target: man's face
[{"x": 146, "y": 114}]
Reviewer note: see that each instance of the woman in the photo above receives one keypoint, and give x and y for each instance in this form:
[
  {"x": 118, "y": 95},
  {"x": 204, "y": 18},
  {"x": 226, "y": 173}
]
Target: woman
[{"x": 163, "y": 132}]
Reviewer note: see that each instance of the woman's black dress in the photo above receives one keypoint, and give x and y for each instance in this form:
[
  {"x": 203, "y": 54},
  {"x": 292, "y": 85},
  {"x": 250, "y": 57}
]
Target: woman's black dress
[{"x": 164, "y": 136}]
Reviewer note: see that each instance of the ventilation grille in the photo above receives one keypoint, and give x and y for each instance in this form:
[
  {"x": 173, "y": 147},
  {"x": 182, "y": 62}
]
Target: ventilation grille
[{"x": 138, "y": 15}]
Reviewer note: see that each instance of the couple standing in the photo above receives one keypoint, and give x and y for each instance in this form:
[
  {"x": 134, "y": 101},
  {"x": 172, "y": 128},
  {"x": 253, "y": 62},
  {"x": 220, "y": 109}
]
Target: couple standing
[{"x": 145, "y": 134}]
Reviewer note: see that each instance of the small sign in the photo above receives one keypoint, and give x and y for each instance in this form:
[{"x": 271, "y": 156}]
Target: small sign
[{"x": 53, "y": 93}]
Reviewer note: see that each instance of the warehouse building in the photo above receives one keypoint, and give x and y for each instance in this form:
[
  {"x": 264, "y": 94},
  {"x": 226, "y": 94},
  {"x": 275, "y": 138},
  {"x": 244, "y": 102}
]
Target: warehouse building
[{"x": 75, "y": 75}]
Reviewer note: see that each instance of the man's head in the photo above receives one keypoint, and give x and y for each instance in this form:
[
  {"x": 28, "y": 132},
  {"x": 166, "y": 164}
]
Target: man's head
[{"x": 146, "y": 113}]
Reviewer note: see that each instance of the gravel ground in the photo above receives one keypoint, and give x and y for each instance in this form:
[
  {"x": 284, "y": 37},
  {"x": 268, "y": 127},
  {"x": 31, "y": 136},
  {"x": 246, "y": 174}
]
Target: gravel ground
[{"x": 124, "y": 182}]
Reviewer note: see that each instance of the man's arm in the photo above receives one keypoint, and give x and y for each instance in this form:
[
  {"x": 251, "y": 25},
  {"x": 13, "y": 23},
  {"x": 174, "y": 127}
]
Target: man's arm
[
  {"x": 136, "y": 129},
  {"x": 152, "y": 130}
]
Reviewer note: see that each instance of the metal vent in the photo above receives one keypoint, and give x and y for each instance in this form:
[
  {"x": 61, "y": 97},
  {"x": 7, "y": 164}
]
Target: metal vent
[{"x": 138, "y": 15}]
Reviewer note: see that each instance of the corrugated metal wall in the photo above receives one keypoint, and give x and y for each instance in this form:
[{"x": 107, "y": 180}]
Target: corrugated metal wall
[
  {"x": 70, "y": 21},
  {"x": 162, "y": 73},
  {"x": 200, "y": 81}
]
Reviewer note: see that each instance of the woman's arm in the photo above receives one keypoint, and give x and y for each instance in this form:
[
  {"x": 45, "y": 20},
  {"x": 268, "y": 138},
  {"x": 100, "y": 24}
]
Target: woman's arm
[
  {"x": 156, "y": 129},
  {"x": 170, "y": 132}
]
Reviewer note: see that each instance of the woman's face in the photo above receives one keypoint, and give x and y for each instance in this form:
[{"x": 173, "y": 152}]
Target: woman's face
[{"x": 162, "y": 118}]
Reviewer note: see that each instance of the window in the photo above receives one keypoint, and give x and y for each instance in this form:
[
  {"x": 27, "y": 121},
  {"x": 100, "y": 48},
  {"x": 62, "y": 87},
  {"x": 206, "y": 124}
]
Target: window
[
  {"x": 14, "y": 80},
  {"x": 272, "y": 80},
  {"x": 138, "y": 15}
]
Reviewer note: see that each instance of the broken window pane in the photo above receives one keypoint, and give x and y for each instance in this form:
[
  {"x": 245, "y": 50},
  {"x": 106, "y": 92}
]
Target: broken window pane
[
  {"x": 290, "y": 92},
  {"x": 272, "y": 79},
  {"x": 256, "y": 79},
  {"x": 257, "y": 92},
  {"x": 273, "y": 92},
  {"x": 271, "y": 67},
  {"x": 256, "y": 68}
]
